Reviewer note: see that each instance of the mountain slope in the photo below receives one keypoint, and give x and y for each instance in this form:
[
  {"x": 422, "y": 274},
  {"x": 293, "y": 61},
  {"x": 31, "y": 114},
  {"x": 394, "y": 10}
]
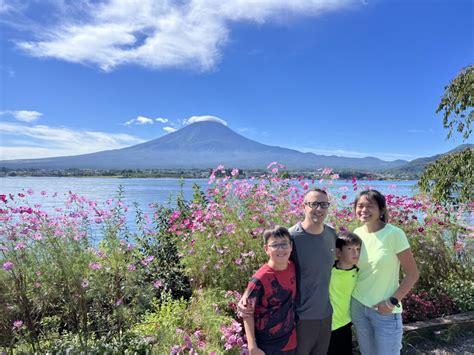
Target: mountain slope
[
  {"x": 418, "y": 165},
  {"x": 201, "y": 145}
]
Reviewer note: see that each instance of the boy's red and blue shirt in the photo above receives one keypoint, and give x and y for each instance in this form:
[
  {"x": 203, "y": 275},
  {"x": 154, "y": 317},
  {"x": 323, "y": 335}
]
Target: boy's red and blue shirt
[{"x": 273, "y": 293}]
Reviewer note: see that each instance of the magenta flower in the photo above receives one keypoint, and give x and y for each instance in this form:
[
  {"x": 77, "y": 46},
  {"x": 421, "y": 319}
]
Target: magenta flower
[
  {"x": 85, "y": 283},
  {"x": 17, "y": 324},
  {"x": 95, "y": 266},
  {"x": 131, "y": 267},
  {"x": 8, "y": 265},
  {"x": 20, "y": 246},
  {"x": 147, "y": 260},
  {"x": 157, "y": 284}
]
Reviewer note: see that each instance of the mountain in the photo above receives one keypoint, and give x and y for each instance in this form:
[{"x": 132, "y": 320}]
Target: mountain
[
  {"x": 418, "y": 165},
  {"x": 201, "y": 145}
]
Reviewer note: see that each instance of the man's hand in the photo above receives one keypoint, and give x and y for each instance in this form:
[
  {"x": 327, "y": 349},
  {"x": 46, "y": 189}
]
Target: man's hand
[
  {"x": 246, "y": 307},
  {"x": 256, "y": 351}
]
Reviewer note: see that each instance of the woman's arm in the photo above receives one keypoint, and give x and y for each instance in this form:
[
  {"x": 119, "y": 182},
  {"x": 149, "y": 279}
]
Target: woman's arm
[{"x": 408, "y": 264}]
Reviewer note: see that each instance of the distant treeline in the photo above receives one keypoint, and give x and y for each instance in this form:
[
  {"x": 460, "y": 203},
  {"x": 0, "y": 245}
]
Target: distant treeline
[{"x": 196, "y": 173}]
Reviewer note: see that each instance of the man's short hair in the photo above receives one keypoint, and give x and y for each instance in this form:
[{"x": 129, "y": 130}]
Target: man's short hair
[
  {"x": 347, "y": 238},
  {"x": 276, "y": 232},
  {"x": 314, "y": 189}
]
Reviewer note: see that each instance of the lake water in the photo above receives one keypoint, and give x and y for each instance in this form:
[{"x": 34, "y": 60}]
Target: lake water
[
  {"x": 150, "y": 191},
  {"x": 146, "y": 191}
]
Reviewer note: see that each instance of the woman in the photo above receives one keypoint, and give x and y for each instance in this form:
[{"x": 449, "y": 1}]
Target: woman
[{"x": 375, "y": 306}]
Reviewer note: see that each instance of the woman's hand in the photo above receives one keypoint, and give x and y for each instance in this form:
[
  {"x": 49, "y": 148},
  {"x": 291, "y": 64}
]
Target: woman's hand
[{"x": 383, "y": 307}]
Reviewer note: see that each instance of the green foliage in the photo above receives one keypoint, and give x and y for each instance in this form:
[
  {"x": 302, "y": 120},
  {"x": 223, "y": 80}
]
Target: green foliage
[
  {"x": 460, "y": 291},
  {"x": 458, "y": 103},
  {"x": 161, "y": 323},
  {"x": 162, "y": 245},
  {"x": 450, "y": 178}
]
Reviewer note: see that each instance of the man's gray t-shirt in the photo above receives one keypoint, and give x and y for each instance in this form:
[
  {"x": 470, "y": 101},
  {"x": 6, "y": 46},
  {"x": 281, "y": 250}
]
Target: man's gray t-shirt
[{"x": 314, "y": 256}]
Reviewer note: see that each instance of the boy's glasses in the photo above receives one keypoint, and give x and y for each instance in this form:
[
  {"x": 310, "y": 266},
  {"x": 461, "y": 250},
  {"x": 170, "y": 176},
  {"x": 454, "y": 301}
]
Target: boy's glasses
[
  {"x": 280, "y": 246},
  {"x": 315, "y": 204}
]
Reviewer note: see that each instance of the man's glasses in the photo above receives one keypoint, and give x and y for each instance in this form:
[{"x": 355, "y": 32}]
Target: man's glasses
[
  {"x": 280, "y": 246},
  {"x": 315, "y": 204}
]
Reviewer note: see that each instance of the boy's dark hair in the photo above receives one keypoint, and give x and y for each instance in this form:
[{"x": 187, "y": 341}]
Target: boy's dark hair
[
  {"x": 347, "y": 238},
  {"x": 276, "y": 232},
  {"x": 378, "y": 198}
]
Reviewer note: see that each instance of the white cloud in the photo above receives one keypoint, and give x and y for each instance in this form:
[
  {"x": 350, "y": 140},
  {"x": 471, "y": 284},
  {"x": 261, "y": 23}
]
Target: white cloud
[
  {"x": 422, "y": 131},
  {"x": 8, "y": 70},
  {"x": 156, "y": 33},
  {"x": 169, "y": 129},
  {"x": 205, "y": 118},
  {"x": 23, "y": 115},
  {"x": 356, "y": 154},
  {"x": 162, "y": 120},
  {"x": 140, "y": 120},
  {"x": 44, "y": 141}
]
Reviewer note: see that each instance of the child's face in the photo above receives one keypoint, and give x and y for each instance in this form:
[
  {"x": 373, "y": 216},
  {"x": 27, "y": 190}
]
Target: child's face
[
  {"x": 278, "y": 249},
  {"x": 349, "y": 254}
]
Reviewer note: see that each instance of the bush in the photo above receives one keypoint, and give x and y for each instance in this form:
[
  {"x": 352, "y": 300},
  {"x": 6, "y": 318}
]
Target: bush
[{"x": 164, "y": 286}]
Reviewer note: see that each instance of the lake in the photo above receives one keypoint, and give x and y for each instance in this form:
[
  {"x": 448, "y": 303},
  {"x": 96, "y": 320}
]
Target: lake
[{"x": 146, "y": 191}]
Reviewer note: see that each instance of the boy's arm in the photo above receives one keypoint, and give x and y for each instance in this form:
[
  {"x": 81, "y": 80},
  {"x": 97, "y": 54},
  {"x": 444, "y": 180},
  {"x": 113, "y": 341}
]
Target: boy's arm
[{"x": 249, "y": 325}]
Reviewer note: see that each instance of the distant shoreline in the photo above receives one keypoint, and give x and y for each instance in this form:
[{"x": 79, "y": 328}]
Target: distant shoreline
[{"x": 196, "y": 174}]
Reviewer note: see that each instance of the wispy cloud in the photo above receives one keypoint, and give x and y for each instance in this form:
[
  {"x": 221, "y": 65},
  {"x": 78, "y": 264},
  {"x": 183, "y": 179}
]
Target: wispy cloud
[
  {"x": 23, "y": 115},
  {"x": 8, "y": 70},
  {"x": 205, "y": 118},
  {"x": 140, "y": 120},
  {"x": 161, "y": 119},
  {"x": 169, "y": 129},
  {"x": 155, "y": 33},
  {"x": 23, "y": 142},
  {"x": 421, "y": 131},
  {"x": 356, "y": 154}
]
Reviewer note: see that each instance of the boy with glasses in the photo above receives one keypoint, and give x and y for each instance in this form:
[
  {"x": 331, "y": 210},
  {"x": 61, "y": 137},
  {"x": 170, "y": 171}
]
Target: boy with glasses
[
  {"x": 272, "y": 293},
  {"x": 313, "y": 254}
]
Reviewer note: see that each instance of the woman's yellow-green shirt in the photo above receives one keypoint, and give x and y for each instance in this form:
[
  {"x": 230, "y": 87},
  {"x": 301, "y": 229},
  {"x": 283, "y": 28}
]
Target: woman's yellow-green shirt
[{"x": 379, "y": 266}]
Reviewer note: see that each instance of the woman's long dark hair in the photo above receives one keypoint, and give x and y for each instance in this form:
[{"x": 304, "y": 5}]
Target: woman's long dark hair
[{"x": 379, "y": 198}]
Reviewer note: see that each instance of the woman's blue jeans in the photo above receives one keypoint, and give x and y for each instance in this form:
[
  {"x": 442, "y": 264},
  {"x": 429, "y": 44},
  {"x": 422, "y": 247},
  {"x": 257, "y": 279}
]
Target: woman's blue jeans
[{"x": 377, "y": 334}]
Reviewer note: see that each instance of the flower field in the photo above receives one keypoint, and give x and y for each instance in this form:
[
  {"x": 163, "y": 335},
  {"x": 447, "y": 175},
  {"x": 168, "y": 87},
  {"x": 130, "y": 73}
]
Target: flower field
[{"x": 171, "y": 284}]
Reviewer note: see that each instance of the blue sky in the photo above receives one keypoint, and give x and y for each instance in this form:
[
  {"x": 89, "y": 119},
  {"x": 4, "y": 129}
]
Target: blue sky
[{"x": 350, "y": 78}]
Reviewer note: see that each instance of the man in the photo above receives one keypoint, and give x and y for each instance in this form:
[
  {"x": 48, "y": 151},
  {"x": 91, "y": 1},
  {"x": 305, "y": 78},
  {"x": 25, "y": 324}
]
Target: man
[{"x": 314, "y": 255}]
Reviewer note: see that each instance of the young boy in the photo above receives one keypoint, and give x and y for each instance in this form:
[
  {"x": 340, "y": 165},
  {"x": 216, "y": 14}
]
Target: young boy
[
  {"x": 272, "y": 293},
  {"x": 343, "y": 281}
]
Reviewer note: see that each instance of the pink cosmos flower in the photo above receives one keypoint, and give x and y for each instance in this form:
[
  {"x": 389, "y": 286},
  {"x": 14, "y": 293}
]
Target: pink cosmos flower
[
  {"x": 95, "y": 266},
  {"x": 17, "y": 324},
  {"x": 157, "y": 284},
  {"x": 20, "y": 246},
  {"x": 85, "y": 283},
  {"x": 147, "y": 260},
  {"x": 8, "y": 265}
]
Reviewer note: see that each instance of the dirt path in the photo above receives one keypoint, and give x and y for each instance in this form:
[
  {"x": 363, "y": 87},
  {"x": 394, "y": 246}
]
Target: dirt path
[{"x": 462, "y": 344}]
